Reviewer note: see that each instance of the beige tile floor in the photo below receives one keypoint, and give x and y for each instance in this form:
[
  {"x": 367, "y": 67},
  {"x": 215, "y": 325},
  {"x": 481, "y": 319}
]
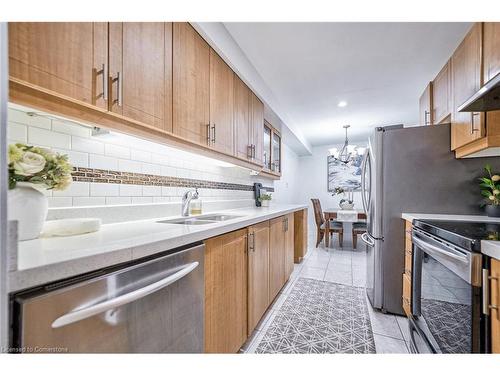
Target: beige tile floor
[{"x": 345, "y": 266}]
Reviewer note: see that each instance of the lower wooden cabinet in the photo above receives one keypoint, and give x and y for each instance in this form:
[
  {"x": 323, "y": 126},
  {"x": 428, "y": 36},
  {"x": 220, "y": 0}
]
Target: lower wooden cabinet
[
  {"x": 300, "y": 235},
  {"x": 406, "y": 298},
  {"x": 276, "y": 256},
  {"x": 289, "y": 245},
  {"x": 495, "y": 301},
  {"x": 258, "y": 273},
  {"x": 226, "y": 292}
]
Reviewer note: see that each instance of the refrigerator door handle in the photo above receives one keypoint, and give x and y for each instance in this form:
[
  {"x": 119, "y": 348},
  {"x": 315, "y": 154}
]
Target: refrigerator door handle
[
  {"x": 77, "y": 315},
  {"x": 367, "y": 239},
  {"x": 363, "y": 191}
]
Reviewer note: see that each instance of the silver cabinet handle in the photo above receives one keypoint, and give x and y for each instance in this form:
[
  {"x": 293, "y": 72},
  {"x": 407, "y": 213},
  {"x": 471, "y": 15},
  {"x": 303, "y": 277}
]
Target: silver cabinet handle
[
  {"x": 208, "y": 134},
  {"x": 251, "y": 244},
  {"x": 253, "y": 151},
  {"x": 487, "y": 306},
  {"x": 87, "y": 312},
  {"x": 472, "y": 128},
  {"x": 119, "y": 89},
  {"x": 427, "y": 122},
  {"x": 105, "y": 78},
  {"x": 213, "y": 136},
  {"x": 249, "y": 151},
  {"x": 367, "y": 240}
]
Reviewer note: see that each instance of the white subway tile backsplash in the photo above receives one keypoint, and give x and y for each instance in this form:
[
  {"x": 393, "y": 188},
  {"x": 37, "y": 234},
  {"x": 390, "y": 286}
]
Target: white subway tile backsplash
[
  {"x": 130, "y": 190},
  {"x": 140, "y": 155},
  {"x": 17, "y": 132},
  {"x": 151, "y": 169},
  {"x": 104, "y": 190},
  {"x": 118, "y": 200},
  {"x": 87, "y": 145},
  {"x": 151, "y": 191},
  {"x": 160, "y": 159},
  {"x": 60, "y": 201},
  {"x": 168, "y": 171},
  {"x": 103, "y": 162},
  {"x": 48, "y": 138},
  {"x": 142, "y": 200},
  {"x": 117, "y": 151},
  {"x": 161, "y": 199},
  {"x": 89, "y": 201},
  {"x": 168, "y": 191},
  {"x": 76, "y": 189},
  {"x": 70, "y": 128},
  {"x": 23, "y": 118},
  {"x": 129, "y": 166}
]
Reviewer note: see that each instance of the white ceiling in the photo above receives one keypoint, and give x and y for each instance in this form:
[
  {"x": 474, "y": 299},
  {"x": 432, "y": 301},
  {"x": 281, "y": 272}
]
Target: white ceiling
[{"x": 380, "y": 69}]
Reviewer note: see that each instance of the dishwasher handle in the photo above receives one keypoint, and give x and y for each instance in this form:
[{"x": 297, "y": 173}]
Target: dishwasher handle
[{"x": 77, "y": 315}]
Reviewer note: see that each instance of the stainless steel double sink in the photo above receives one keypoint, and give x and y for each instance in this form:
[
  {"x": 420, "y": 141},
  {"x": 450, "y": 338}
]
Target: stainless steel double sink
[{"x": 200, "y": 220}]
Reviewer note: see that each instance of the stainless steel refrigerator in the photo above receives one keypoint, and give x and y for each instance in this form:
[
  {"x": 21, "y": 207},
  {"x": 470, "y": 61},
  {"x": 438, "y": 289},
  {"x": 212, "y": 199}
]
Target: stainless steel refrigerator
[{"x": 410, "y": 170}]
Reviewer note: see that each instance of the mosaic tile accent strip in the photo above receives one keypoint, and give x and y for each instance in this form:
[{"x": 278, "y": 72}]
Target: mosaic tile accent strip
[
  {"x": 115, "y": 177},
  {"x": 320, "y": 317}
]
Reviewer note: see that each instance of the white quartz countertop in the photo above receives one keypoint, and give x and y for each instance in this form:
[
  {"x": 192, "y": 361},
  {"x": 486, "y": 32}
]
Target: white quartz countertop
[
  {"x": 49, "y": 259},
  {"x": 488, "y": 247}
]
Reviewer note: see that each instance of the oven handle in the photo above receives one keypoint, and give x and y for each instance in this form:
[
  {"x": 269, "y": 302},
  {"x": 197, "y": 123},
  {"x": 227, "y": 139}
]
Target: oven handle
[
  {"x": 433, "y": 249},
  {"x": 77, "y": 315}
]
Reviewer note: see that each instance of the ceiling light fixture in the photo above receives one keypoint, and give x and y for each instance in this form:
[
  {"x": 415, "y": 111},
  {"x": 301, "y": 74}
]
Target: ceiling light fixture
[
  {"x": 348, "y": 152},
  {"x": 342, "y": 104}
]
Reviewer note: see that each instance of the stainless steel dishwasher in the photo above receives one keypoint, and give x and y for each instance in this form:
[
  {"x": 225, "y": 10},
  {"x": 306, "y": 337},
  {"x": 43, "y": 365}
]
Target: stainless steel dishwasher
[{"x": 152, "y": 306}]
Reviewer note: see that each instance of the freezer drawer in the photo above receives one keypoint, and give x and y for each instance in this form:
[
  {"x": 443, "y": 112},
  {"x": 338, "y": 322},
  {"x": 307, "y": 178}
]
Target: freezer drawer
[{"x": 151, "y": 307}]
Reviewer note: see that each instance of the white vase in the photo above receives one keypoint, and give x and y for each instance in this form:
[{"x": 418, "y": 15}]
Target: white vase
[{"x": 29, "y": 206}]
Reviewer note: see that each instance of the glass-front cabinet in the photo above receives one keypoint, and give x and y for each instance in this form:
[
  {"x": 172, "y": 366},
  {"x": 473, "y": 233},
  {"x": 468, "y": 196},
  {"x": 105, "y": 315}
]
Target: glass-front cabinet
[{"x": 272, "y": 150}]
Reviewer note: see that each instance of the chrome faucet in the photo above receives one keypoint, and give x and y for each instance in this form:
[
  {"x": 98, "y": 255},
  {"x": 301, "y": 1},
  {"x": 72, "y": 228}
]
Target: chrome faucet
[{"x": 186, "y": 199}]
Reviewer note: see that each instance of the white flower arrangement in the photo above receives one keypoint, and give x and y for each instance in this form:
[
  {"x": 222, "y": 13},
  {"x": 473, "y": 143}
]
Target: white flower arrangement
[{"x": 38, "y": 166}]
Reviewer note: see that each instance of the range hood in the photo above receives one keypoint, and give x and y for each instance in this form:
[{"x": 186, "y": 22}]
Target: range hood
[{"x": 486, "y": 99}]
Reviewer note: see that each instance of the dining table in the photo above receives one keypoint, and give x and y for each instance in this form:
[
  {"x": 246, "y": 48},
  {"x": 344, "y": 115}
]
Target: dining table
[{"x": 333, "y": 214}]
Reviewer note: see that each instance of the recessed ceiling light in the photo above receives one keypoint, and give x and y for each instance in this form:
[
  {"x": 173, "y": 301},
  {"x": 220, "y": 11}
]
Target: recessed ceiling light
[{"x": 342, "y": 103}]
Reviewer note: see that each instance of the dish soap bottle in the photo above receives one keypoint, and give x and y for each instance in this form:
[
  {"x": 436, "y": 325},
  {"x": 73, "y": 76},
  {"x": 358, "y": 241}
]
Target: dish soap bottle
[{"x": 195, "y": 205}]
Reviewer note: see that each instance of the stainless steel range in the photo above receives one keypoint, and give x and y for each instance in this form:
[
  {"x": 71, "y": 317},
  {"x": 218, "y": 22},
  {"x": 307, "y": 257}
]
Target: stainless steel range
[{"x": 447, "y": 286}]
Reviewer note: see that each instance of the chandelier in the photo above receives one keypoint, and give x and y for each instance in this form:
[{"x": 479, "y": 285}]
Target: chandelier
[{"x": 348, "y": 152}]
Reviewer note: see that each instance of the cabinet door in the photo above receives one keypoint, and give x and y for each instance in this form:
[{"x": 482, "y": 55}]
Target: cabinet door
[
  {"x": 267, "y": 147},
  {"x": 495, "y": 300},
  {"x": 441, "y": 95},
  {"x": 276, "y": 256},
  {"x": 276, "y": 153},
  {"x": 258, "y": 273},
  {"x": 289, "y": 245},
  {"x": 242, "y": 125},
  {"x": 425, "y": 106},
  {"x": 221, "y": 104},
  {"x": 300, "y": 235},
  {"x": 140, "y": 58},
  {"x": 491, "y": 50},
  {"x": 65, "y": 57},
  {"x": 257, "y": 128},
  {"x": 226, "y": 292},
  {"x": 466, "y": 81},
  {"x": 191, "y": 82}
]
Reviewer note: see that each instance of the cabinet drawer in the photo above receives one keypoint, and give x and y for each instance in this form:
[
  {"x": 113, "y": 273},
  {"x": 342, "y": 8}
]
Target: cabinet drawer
[{"x": 407, "y": 294}]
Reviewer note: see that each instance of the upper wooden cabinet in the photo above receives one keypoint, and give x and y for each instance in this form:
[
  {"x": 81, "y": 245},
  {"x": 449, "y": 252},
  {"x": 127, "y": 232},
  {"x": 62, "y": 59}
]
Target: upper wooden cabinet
[
  {"x": 466, "y": 81},
  {"x": 140, "y": 69},
  {"x": 191, "y": 85},
  {"x": 491, "y": 50},
  {"x": 258, "y": 273},
  {"x": 425, "y": 106},
  {"x": 441, "y": 95},
  {"x": 226, "y": 292},
  {"x": 257, "y": 128},
  {"x": 221, "y": 104},
  {"x": 67, "y": 58}
]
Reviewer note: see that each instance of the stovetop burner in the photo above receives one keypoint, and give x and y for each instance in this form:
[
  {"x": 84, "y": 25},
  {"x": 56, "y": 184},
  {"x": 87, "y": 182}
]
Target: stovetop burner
[{"x": 465, "y": 234}]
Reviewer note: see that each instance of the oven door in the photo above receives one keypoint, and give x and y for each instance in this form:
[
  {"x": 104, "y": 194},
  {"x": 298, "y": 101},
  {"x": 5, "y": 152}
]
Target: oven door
[{"x": 446, "y": 297}]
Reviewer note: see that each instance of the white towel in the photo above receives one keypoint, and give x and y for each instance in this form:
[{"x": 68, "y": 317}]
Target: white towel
[
  {"x": 350, "y": 216},
  {"x": 70, "y": 227}
]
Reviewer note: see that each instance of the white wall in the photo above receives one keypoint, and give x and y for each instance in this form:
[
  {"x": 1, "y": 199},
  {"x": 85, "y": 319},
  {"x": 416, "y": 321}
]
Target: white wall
[
  {"x": 285, "y": 189},
  {"x": 311, "y": 181}
]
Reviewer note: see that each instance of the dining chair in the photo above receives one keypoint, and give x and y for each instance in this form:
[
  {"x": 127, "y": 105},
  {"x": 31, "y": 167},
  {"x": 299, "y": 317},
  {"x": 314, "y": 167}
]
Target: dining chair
[
  {"x": 335, "y": 226},
  {"x": 357, "y": 228}
]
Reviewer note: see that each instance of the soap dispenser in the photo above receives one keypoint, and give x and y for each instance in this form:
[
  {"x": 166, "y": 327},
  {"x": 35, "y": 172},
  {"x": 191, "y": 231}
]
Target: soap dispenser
[{"x": 195, "y": 205}]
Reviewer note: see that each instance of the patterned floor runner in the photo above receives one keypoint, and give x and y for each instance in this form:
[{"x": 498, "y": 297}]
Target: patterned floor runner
[{"x": 320, "y": 317}]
